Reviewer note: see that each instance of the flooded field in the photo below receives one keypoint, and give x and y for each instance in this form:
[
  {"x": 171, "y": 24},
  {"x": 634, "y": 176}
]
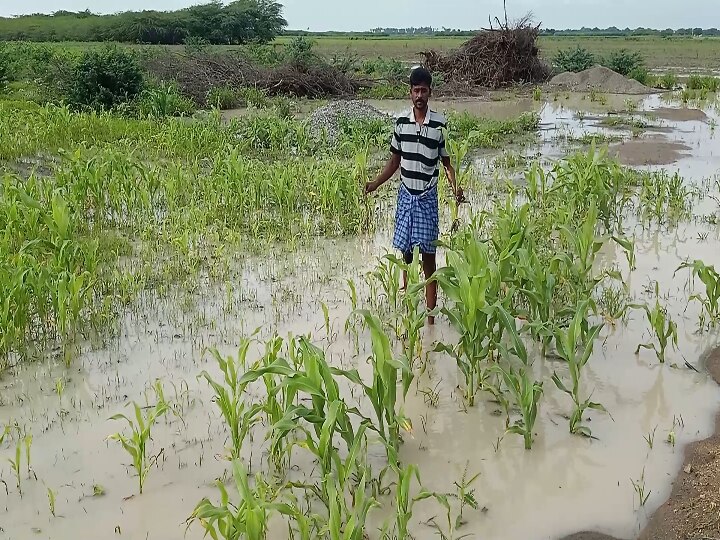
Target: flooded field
[{"x": 63, "y": 477}]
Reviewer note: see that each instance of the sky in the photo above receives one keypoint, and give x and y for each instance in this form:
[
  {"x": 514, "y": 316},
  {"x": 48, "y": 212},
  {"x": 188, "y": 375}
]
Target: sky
[{"x": 319, "y": 15}]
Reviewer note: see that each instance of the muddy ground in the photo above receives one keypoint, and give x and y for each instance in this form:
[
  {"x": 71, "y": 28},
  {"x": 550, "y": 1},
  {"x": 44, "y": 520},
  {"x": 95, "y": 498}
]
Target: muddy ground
[{"x": 693, "y": 510}]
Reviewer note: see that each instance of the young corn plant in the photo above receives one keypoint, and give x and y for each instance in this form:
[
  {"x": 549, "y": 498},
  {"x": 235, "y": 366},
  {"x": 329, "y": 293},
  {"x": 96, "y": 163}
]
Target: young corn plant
[
  {"x": 247, "y": 519},
  {"x": 230, "y": 397},
  {"x": 471, "y": 282},
  {"x": 661, "y": 325},
  {"x": 710, "y": 301},
  {"x": 575, "y": 346},
  {"x": 527, "y": 393},
  {"x": 136, "y": 444},
  {"x": 412, "y": 315},
  {"x": 383, "y": 394},
  {"x": 404, "y": 502}
]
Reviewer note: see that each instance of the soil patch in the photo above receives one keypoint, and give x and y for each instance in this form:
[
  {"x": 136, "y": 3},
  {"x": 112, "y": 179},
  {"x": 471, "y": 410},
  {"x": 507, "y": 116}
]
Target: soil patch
[
  {"x": 650, "y": 151},
  {"x": 599, "y": 78},
  {"x": 693, "y": 509},
  {"x": 679, "y": 115}
]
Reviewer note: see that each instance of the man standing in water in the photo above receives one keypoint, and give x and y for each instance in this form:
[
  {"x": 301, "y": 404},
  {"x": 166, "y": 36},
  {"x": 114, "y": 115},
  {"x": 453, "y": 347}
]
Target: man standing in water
[{"x": 417, "y": 147}]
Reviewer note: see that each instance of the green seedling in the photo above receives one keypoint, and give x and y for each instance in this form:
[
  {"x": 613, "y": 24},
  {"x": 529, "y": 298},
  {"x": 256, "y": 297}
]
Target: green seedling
[
  {"x": 404, "y": 502},
  {"x": 230, "y": 397},
  {"x": 16, "y": 465},
  {"x": 663, "y": 327},
  {"x": 650, "y": 438},
  {"x": 527, "y": 394},
  {"x": 51, "y": 501},
  {"x": 465, "y": 495},
  {"x": 710, "y": 300},
  {"x": 640, "y": 490},
  {"x": 247, "y": 519},
  {"x": 575, "y": 346},
  {"x": 140, "y": 433}
]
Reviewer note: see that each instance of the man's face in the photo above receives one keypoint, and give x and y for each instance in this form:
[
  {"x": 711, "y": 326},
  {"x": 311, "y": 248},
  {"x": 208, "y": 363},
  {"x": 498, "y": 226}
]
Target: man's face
[{"x": 420, "y": 95}]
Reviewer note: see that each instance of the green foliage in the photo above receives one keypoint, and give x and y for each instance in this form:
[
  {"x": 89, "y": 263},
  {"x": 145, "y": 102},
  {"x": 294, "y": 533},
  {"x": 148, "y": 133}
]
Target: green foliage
[
  {"x": 625, "y": 62},
  {"x": 668, "y": 81},
  {"x": 575, "y": 60},
  {"x": 164, "y": 100},
  {"x": 104, "y": 79},
  {"x": 253, "y": 96},
  {"x": 710, "y": 301},
  {"x": 300, "y": 51},
  {"x": 698, "y": 82},
  {"x": 136, "y": 444},
  {"x": 390, "y": 69},
  {"x": 196, "y": 44},
  {"x": 242, "y": 21},
  {"x": 385, "y": 91},
  {"x": 223, "y": 98},
  {"x": 661, "y": 325},
  {"x": 643, "y": 76}
]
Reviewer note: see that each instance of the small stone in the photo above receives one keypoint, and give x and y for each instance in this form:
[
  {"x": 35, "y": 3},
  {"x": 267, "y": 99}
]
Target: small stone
[{"x": 688, "y": 469}]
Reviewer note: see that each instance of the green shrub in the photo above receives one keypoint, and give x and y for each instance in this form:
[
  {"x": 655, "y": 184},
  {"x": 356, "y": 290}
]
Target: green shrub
[
  {"x": 668, "y": 81},
  {"x": 4, "y": 71},
  {"x": 164, "y": 100},
  {"x": 195, "y": 44},
  {"x": 575, "y": 60},
  {"x": 300, "y": 51},
  {"x": 642, "y": 75},
  {"x": 386, "y": 91},
  {"x": 253, "y": 97},
  {"x": 283, "y": 107},
  {"x": 223, "y": 98},
  {"x": 386, "y": 68},
  {"x": 345, "y": 62},
  {"x": 624, "y": 62},
  {"x": 105, "y": 78},
  {"x": 698, "y": 82}
]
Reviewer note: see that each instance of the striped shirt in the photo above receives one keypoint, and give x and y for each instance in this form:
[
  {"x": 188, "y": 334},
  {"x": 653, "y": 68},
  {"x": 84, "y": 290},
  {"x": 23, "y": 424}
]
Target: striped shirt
[{"x": 420, "y": 148}]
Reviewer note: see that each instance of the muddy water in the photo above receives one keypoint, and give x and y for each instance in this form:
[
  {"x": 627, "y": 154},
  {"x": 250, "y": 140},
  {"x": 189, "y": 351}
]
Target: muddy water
[{"x": 563, "y": 485}]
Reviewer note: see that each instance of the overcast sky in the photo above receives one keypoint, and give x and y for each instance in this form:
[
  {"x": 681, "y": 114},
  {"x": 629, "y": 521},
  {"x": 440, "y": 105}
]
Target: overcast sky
[{"x": 465, "y": 14}]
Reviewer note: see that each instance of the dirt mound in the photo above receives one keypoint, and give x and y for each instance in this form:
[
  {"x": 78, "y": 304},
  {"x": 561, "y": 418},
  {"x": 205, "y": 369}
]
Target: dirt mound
[
  {"x": 599, "y": 78},
  {"x": 328, "y": 118},
  {"x": 679, "y": 115},
  {"x": 493, "y": 58},
  {"x": 650, "y": 151}
]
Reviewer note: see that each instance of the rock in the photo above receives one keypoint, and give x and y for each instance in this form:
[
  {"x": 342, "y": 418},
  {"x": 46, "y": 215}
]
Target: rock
[{"x": 329, "y": 117}]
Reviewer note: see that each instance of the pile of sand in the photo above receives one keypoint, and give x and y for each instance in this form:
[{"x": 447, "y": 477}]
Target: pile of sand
[{"x": 599, "y": 78}]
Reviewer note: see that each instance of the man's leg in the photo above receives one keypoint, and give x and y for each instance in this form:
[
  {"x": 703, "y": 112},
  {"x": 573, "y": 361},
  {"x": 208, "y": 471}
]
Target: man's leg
[
  {"x": 429, "y": 267},
  {"x": 408, "y": 258}
]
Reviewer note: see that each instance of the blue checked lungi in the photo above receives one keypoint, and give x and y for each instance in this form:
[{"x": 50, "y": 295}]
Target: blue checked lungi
[{"x": 416, "y": 221}]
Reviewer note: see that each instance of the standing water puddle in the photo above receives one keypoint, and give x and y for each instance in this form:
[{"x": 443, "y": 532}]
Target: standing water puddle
[{"x": 564, "y": 484}]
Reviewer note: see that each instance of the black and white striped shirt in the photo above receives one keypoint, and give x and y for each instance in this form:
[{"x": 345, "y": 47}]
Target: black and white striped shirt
[{"x": 420, "y": 148}]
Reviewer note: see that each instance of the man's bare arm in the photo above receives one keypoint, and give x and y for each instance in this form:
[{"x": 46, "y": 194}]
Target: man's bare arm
[
  {"x": 392, "y": 165},
  {"x": 450, "y": 170}
]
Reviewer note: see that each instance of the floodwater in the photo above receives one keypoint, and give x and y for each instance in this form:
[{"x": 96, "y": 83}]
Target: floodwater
[{"x": 564, "y": 484}]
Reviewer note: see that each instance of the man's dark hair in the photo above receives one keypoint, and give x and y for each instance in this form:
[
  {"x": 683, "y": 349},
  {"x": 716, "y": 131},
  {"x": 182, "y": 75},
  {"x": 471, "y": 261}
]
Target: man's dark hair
[{"x": 421, "y": 76}]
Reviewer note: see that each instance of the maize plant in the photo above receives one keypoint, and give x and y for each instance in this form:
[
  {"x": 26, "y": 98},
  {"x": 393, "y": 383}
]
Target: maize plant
[
  {"x": 527, "y": 394},
  {"x": 248, "y": 519},
  {"x": 471, "y": 282},
  {"x": 710, "y": 301},
  {"x": 661, "y": 325},
  {"x": 575, "y": 346},
  {"x": 383, "y": 394},
  {"x": 136, "y": 444},
  {"x": 348, "y": 521},
  {"x": 230, "y": 396}
]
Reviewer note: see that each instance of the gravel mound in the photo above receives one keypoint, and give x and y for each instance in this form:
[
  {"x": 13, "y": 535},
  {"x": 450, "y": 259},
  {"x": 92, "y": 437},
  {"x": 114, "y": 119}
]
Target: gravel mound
[
  {"x": 599, "y": 78},
  {"x": 329, "y": 117}
]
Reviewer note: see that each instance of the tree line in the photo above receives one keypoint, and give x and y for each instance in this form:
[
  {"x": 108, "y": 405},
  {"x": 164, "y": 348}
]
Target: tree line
[{"x": 241, "y": 21}]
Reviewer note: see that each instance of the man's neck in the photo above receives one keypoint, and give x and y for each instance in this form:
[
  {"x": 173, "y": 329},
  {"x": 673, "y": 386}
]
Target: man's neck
[{"x": 420, "y": 114}]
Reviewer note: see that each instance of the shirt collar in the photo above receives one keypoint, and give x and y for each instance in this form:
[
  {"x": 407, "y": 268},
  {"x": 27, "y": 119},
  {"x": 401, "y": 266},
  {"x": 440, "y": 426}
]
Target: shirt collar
[{"x": 427, "y": 116}]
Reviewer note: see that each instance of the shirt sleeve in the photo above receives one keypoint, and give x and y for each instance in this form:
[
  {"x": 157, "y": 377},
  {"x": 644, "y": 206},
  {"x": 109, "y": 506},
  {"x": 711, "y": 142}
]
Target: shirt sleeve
[
  {"x": 395, "y": 145},
  {"x": 443, "y": 149}
]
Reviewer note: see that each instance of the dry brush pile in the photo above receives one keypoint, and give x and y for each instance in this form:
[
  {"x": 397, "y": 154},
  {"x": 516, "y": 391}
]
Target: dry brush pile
[
  {"x": 493, "y": 58},
  {"x": 197, "y": 74}
]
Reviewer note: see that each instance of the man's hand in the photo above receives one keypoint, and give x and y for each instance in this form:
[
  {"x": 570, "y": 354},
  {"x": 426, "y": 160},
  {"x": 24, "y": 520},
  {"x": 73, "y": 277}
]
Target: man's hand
[
  {"x": 370, "y": 187},
  {"x": 460, "y": 195}
]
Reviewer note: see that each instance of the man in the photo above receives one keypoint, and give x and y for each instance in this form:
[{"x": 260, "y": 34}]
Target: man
[{"x": 417, "y": 147}]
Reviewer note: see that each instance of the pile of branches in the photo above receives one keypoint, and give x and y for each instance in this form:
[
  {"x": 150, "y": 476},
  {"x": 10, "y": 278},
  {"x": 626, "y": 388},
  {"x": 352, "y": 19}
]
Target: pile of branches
[
  {"x": 495, "y": 57},
  {"x": 196, "y": 74}
]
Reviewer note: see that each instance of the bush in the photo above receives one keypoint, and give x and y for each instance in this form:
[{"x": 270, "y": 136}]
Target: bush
[
  {"x": 575, "y": 60},
  {"x": 668, "y": 81},
  {"x": 4, "y": 71},
  {"x": 346, "y": 62},
  {"x": 386, "y": 68},
  {"x": 105, "y": 78},
  {"x": 386, "y": 91},
  {"x": 642, "y": 75},
  {"x": 697, "y": 82},
  {"x": 223, "y": 98},
  {"x": 164, "y": 100},
  {"x": 299, "y": 51},
  {"x": 283, "y": 107},
  {"x": 195, "y": 44},
  {"x": 253, "y": 97},
  {"x": 625, "y": 62}
]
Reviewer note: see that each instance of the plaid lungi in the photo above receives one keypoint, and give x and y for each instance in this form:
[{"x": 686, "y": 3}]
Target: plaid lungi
[{"x": 416, "y": 221}]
